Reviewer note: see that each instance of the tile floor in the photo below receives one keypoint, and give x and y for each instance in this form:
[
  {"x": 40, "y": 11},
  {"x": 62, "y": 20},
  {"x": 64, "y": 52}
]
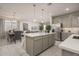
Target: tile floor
[{"x": 11, "y": 49}]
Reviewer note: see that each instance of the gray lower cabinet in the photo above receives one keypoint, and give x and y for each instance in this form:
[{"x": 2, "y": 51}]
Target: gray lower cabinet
[
  {"x": 68, "y": 53},
  {"x": 45, "y": 42},
  {"x": 51, "y": 40},
  {"x": 36, "y": 45},
  {"x": 65, "y": 35},
  {"x": 29, "y": 45},
  {"x": 37, "y": 48}
]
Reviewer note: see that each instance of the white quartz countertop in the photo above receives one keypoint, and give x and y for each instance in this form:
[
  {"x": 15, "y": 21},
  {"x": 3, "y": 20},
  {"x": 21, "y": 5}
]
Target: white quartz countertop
[
  {"x": 36, "y": 34},
  {"x": 70, "y": 44}
]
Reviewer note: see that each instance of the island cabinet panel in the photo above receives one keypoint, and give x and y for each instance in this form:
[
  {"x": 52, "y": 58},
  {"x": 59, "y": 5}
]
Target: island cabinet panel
[
  {"x": 51, "y": 40},
  {"x": 68, "y": 53},
  {"x": 29, "y": 45},
  {"x": 37, "y": 48},
  {"x": 36, "y": 45},
  {"x": 45, "y": 42}
]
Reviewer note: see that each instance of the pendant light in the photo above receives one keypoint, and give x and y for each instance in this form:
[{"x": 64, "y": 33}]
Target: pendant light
[
  {"x": 34, "y": 13},
  {"x": 13, "y": 18},
  {"x": 42, "y": 16}
]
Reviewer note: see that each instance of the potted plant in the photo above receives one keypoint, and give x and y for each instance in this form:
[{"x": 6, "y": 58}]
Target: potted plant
[
  {"x": 48, "y": 28},
  {"x": 41, "y": 27}
]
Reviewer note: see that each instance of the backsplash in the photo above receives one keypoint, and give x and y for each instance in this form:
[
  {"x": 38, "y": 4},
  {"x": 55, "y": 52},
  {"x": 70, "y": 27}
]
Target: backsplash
[{"x": 72, "y": 30}]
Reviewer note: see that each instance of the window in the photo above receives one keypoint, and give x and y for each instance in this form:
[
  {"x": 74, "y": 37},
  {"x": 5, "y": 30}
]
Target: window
[{"x": 10, "y": 25}]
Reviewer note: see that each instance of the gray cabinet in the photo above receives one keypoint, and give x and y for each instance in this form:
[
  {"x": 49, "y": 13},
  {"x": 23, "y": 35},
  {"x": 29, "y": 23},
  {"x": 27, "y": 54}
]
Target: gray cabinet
[
  {"x": 68, "y": 20},
  {"x": 36, "y": 45},
  {"x": 74, "y": 21},
  {"x": 45, "y": 42},
  {"x": 65, "y": 35},
  {"x": 50, "y": 40},
  {"x": 29, "y": 45},
  {"x": 68, "y": 53}
]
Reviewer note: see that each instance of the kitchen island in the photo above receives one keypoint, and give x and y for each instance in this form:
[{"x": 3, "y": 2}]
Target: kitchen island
[
  {"x": 70, "y": 46},
  {"x": 39, "y": 42}
]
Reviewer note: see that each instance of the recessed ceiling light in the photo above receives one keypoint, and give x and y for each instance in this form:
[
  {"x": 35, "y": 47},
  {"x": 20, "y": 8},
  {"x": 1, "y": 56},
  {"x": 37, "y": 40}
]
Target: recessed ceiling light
[
  {"x": 50, "y": 14},
  {"x": 41, "y": 16},
  {"x": 34, "y": 20},
  {"x": 67, "y": 9}
]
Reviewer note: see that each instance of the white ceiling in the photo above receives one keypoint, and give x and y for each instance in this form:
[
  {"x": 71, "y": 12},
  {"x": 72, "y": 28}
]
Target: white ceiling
[{"x": 26, "y": 11}]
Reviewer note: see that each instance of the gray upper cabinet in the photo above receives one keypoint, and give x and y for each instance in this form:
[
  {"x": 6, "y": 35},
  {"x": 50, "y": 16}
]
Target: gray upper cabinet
[
  {"x": 74, "y": 21},
  {"x": 57, "y": 20},
  {"x": 68, "y": 20},
  {"x": 29, "y": 45}
]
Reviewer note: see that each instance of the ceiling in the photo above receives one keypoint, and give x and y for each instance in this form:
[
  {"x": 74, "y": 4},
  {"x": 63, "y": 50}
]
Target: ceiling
[{"x": 25, "y": 11}]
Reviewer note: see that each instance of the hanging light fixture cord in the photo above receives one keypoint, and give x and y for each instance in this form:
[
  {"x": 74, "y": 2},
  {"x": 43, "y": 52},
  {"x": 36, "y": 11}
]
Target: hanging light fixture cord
[{"x": 34, "y": 10}]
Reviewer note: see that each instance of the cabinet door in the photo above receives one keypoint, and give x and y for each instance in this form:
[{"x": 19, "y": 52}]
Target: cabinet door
[
  {"x": 37, "y": 46},
  {"x": 45, "y": 42},
  {"x": 74, "y": 21},
  {"x": 51, "y": 40},
  {"x": 29, "y": 46},
  {"x": 65, "y": 35}
]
